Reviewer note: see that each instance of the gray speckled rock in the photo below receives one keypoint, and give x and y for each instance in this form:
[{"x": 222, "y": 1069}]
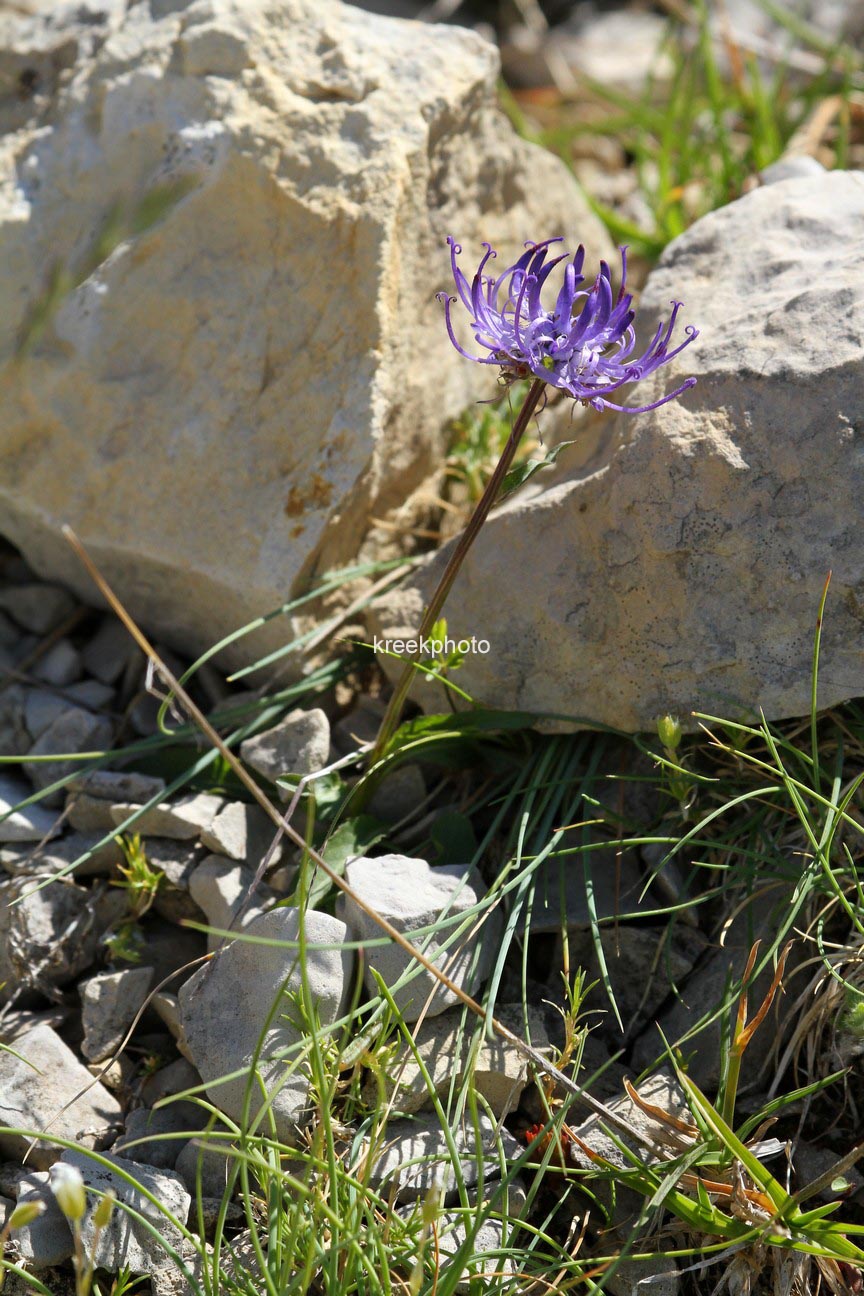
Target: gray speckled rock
[
  {"x": 749, "y": 22},
  {"x": 417, "y": 1156},
  {"x": 453, "y": 1230},
  {"x": 411, "y": 895},
  {"x": 89, "y": 814},
  {"x": 29, "y": 824},
  {"x": 15, "y": 737},
  {"x": 151, "y": 1136},
  {"x": 43, "y": 707},
  {"x": 97, "y": 859},
  {"x": 200, "y": 1157},
  {"x": 36, "y": 607},
  {"x": 60, "y": 666},
  {"x": 48, "y": 1240},
  {"x": 682, "y": 568},
  {"x": 632, "y": 1277},
  {"x": 709, "y": 994},
  {"x": 399, "y": 794},
  {"x": 560, "y": 889},
  {"x": 445, "y": 1044},
  {"x": 50, "y": 1088},
  {"x": 242, "y": 832},
  {"x": 661, "y": 1090},
  {"x": 125, "y": 1241},
  {"x": 177, "y": 861},
  {"x": 74, "y": 730},
  {"x": 226, "y": 1005},
  {"x": 47, "y": 937},
  {"x": 117, "y": 785},
  {"x": 109, "y": 651}
]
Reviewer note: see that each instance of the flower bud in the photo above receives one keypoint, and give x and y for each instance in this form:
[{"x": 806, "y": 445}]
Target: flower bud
[
  {"x": 853, "y": 1019},
  {"x": 25, "y": 1213},
  {"x": 67, "y": 1185},
  {"x": 104, "y": 1210},
  {"x": 669, "y": 731}
]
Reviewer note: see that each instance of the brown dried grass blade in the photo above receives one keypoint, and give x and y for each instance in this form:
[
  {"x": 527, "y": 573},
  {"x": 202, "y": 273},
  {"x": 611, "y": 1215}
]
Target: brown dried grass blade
[
  {"x": 659, "y": 1114},
  {"x": 746, "y": 1034}
]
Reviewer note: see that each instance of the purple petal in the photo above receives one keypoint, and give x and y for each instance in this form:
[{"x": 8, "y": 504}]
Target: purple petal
[
  {"x": 643, "y": 409},
  {"x": 623, "y": 250},
  {"x": 448, "y": 302}
]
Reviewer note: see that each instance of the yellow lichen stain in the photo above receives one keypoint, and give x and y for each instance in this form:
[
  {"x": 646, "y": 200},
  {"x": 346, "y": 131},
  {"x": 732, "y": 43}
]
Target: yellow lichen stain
[
  {"x": 297, "y": 531},
  {"x": 295, "y": 504},
  {"x": 316, "y": 495}
]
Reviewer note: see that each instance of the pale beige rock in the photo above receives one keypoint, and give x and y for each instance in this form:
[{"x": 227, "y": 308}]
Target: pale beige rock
[
  {"x": 680, "y": 567},
  {"x": 242, "y": 832},
  {"x": 221, "y": 889},
  {"x": 263, "y": 366},
  {"x": 433, "y": 908},
  {"x": 110, "y": 1002},
  {"x": 180, "y": 820},
  {"x": 227, "y": 1013}
]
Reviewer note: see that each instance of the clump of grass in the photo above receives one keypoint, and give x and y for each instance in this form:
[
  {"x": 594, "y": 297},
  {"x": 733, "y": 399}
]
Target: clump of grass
[
  {"x": 713, "y": 1180},
  {"x": 742, "y": 806},
  {"x": 140, "y": 883},
  {"x": 699, "y": 139}
]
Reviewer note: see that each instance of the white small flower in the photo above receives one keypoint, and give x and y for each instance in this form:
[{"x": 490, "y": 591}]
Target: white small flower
[{"x": 67, "y": 1185}]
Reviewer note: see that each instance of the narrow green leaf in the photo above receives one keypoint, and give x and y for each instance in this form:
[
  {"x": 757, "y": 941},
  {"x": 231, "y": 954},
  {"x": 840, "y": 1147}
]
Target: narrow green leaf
[{"x": 524, "y": 471}]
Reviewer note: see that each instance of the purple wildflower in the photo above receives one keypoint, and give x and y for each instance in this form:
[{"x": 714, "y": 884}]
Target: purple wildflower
[{"x": 582, "y": 345}]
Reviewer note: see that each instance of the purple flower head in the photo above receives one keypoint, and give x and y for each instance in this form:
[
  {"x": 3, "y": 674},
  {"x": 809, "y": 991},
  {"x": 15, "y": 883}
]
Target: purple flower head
[{"x": 583, "y": 344}]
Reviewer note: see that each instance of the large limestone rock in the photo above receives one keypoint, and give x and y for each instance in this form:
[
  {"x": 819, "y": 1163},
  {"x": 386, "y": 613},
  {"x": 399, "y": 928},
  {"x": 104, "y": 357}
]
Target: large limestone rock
[
  {"x": 681, "y": 568},
  {"x": 222, "y": 227}
]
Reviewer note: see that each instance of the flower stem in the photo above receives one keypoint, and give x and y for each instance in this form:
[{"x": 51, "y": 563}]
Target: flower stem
[{"x": 455, "y": 561}]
